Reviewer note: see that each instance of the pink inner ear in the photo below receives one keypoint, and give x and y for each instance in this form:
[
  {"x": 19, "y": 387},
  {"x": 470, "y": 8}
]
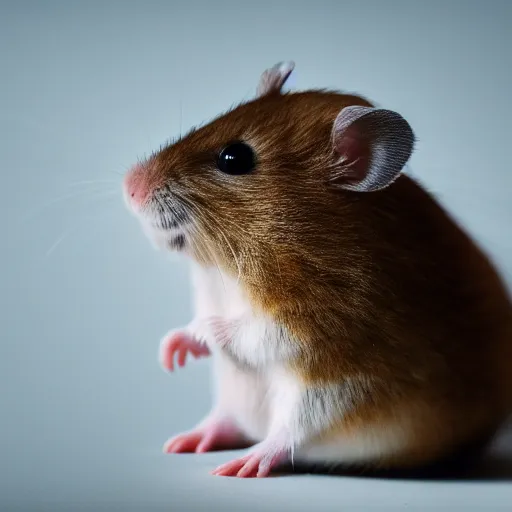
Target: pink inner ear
[{"x": 355, "y": 152}]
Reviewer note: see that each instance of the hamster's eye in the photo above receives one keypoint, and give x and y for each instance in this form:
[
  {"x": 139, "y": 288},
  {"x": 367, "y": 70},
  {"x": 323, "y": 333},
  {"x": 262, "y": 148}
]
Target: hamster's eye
[{"x": 237, "y": 158}]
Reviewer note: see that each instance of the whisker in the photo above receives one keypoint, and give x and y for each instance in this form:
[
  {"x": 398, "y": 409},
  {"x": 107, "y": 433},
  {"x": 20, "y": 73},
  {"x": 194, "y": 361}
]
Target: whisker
[
  {"x": 172, "y": 208},
  {"x": 181, "y": 118},
  {"x": 64, "y": 235},
  {"x": 90, "y": 182},
  {"x": 207, "y": 215},
  {"x": 209, "y": 253},
  {"x": 279, "y": 271},
  {"x": 38, "y": 209},
  {"x": 73, "y": 229},
  {"x": 199, "y": 240},
  {"x": 234, "y": 255}
]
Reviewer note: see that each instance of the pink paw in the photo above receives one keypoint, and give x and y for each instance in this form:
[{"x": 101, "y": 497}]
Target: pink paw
[
  {"x": 180, "y": 342},
  {"x": 216, "y": 435},
  {"x": 259, "y": 463}
]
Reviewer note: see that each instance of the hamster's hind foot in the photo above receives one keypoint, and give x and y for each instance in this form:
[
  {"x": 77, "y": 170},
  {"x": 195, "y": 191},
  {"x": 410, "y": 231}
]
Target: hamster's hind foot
[
  {"x": 259, "y": 463},
  {"x": 212, "y": 434}
]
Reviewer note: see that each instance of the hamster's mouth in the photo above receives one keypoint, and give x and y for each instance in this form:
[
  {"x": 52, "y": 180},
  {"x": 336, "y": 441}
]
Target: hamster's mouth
[
  {"x": 166, "y": 221},
  {"x": 177, "y": 242},
  {"x": 165, "y": 234},
  {"x": 168, "y": 239}
]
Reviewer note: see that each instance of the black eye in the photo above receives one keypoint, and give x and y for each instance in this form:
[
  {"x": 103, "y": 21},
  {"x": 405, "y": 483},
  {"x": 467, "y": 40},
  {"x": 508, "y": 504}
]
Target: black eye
[{"x": 237, "y": 158}]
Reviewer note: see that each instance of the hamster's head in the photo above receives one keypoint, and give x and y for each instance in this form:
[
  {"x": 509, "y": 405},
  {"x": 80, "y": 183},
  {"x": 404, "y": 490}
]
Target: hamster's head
[{"x": 268, "y": 178}]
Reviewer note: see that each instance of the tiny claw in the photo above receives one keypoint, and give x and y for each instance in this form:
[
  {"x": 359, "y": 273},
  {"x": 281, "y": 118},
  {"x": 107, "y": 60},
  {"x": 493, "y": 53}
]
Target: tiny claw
[{"x": 180, "y": 343}]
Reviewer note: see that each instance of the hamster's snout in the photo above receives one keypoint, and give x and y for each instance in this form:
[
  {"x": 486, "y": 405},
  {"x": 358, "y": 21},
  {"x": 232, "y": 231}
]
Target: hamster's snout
[
  {"x": 161, "y": 213},
  {"x": 137, "y": 187}
]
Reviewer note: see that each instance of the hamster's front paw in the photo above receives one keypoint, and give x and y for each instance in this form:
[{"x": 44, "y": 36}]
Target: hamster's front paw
[{"x": 181, "y": 342}]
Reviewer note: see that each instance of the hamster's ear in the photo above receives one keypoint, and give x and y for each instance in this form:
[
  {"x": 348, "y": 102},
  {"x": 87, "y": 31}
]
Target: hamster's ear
[
  {"x": 273, "y": 79},
  {"x": 372, "y": 146}
]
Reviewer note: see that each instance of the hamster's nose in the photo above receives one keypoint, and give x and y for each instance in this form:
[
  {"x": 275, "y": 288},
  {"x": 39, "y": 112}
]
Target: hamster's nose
[{"x": 136, "y": 187}]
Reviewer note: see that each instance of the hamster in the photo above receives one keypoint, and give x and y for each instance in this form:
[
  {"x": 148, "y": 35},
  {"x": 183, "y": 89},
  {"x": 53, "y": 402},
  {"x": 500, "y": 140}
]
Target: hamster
[{"x": 350, "y": 319}]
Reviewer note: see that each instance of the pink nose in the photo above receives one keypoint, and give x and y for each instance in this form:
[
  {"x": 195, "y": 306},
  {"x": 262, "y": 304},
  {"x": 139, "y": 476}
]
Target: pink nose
[{"x": 136, "y": 186}]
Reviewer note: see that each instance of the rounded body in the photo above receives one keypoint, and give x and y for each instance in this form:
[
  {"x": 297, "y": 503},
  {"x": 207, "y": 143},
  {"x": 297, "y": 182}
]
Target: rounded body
[
  {"x": 350, "y": 318},
  {"x": 433, "y": 354}
]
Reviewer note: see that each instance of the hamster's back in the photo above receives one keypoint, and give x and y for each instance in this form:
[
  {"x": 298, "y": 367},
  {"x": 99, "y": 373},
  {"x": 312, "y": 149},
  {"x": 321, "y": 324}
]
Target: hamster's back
[{"x": 446, "y": 290}]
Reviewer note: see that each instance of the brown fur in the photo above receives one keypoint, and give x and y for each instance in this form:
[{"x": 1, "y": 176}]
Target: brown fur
[{"x": 381, "y": 284}]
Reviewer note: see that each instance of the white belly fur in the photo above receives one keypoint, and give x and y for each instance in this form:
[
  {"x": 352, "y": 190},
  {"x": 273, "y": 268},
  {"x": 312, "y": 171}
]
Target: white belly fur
[
  {"x": 241, "y": 394},
  {"x": 252, "y": 400}
]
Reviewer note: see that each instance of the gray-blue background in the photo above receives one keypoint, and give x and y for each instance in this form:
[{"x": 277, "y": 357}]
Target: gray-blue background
[{"x": 85, "y": 89}]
